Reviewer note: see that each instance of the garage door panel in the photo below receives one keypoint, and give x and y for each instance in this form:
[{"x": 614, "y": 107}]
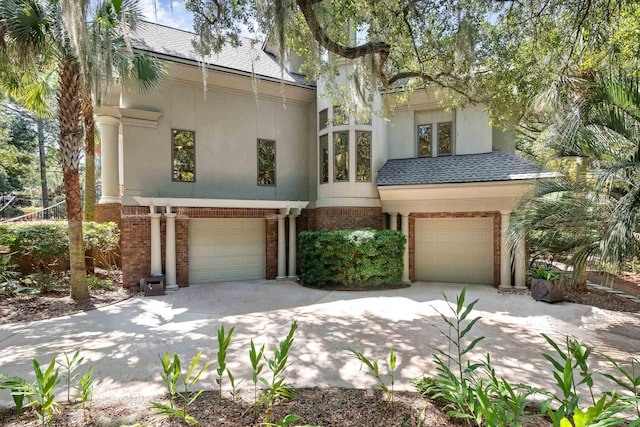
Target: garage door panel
[
  {"x": 226, "y": 249},
  {"x": 456, "y": 250}
]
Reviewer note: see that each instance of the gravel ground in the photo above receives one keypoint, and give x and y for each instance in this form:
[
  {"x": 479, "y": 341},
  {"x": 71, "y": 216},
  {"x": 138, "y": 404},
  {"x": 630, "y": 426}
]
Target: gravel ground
[{"x": 325, "y": 407}]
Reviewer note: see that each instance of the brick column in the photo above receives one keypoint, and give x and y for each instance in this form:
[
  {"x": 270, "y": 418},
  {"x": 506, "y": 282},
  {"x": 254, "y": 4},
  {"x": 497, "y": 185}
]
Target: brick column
[
  {"x": 505, "y": 252},
  {"x": 156, "y": 244},
  {"x": 405, "y": 230},
  {"x": 282, "y": 250},
  {"x": 292, "y": 244},
  {"x": 170, "y": 251},
  {"x": 109, "y": 131}
]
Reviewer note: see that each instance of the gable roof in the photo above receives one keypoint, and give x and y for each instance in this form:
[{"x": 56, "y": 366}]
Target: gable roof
[
  {"x": 486, "y": 167},
  {"x": 175, "y": 44}
]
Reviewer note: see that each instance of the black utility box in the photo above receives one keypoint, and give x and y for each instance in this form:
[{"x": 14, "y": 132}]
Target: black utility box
[{"x": 153, "y": 285}]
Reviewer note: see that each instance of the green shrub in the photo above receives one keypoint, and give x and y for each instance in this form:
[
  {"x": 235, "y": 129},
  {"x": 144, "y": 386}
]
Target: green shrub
[
  {"x": 44, "y": 245},
  {"x": 351, "y": 257}
]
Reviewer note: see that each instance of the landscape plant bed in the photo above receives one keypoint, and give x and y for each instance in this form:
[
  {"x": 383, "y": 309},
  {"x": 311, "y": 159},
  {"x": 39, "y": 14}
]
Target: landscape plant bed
[
  {"x": 327, "y": 407},
  {"x": 339, "y": 287}
]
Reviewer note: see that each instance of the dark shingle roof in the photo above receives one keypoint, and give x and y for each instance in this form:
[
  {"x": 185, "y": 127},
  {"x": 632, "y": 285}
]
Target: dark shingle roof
[
  {"x": 245, "y": 58},
  {"x": 485, "y": 167}
]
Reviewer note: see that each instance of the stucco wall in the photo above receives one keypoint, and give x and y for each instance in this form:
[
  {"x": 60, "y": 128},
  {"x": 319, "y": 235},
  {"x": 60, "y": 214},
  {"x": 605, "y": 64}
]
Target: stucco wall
[{"x": 227, "y": 125}]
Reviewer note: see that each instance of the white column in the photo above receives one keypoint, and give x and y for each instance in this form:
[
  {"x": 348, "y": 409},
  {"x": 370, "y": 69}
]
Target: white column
[
  {"x": 521, "y": 262},
  {"x": 393, "y": 224},
  {"x": 109, "y": 157},
  {"x": 292, "y": 245},
  {"x": 405, "y": 230},
  {"x": 505, "y": 252},
  {"x": 282, "y": 250},
  {"x": 156, "y": 247},
  {"x": 170, "y": 251}
]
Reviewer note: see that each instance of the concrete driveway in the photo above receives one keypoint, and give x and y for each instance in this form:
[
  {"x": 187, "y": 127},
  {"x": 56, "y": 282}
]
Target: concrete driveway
[{"x": 123, "y": 341}]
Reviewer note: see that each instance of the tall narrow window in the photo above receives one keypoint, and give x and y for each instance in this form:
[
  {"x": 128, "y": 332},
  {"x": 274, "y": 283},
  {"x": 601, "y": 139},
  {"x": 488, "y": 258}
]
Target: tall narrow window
[
  {"x": 340, "y": 116},
  {"x": 324, "y": 158},
  {"x": 424, "y": 140},
  {"x": 445, "y": 139},
  {"x": 266, "y": 162},
  {"x": 363, "y": 117},
  {"x": 341, "y": 156},
  {"x": 363, "y": 156},
  {"x": 183, "y": 153},
  {"x": 323, "y": 119}
]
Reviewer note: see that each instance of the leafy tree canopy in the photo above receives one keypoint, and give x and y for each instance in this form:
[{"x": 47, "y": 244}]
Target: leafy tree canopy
[{"x": 497, "y": 52}]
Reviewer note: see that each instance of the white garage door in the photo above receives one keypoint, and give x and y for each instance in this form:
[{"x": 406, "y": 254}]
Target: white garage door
[
  {"x": 226, "y": 249},
  {"x": 454, "y": 250}
]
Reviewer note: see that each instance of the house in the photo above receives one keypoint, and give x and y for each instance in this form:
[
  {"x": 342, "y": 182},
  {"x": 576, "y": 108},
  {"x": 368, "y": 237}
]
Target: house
[{"x": 216, "y": 186}]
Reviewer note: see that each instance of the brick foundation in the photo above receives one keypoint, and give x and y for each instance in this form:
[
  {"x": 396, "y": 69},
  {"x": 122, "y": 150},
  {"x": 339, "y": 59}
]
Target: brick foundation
[
  {"x": 342, "y": 218},
  {"x": 136, "y": 239},
  {"x": 496, "y": 237}
]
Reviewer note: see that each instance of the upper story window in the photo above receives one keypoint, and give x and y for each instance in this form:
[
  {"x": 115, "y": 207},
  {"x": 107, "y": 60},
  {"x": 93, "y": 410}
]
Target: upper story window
[
  {"x": 363, "y": 156},
  {"x": 435, "y": 143},
  {"x": 323, "y": 119},
  {"x": 341, "y": 156},
  {"x": 266, "y": 162},
  {"x": 324, "y": 158},
  {"x": 183, "y": 155},
  {"x": 340, "y": 116}
]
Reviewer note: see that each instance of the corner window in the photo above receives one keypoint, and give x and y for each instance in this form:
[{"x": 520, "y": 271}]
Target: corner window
[
  {"x": 340, "y": 116},
  {"x": 266, "y": 162},
  {"x": 363, "y": 117},
  {"x": 341, "y": 156},
  {"x": 323, "y": 119},
  {"x": 424, "y": 140},
  {"x": 363, "y": 156},
  {"x": 324, "y": 158},
  {"x": 445, "y": 139},
  {"x": 183, "y": 155}
]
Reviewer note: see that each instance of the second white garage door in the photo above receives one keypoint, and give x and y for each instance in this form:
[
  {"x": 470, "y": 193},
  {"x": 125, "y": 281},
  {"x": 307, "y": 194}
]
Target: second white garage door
[
  {"x": 454, "y": 250},
  {"x": 226, "y": 249}
]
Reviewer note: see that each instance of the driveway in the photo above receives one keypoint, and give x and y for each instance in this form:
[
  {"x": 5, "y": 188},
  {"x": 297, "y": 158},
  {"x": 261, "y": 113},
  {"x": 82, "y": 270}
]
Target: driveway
[{"x": 123, "y": 341}]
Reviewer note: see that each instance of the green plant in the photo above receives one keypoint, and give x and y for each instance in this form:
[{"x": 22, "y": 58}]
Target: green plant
[
  {"x": 544, "y": 273},
  {"x": 172, "y": 373},
  {"x": 276, "y": 387},
  {"x": 19, "y": 388},
  {"x": 351, "y": 257},
  {"x": 454, "y": 381},
  {"x": 375, "y": 371},
  {"x": 103, "y": 240},
  {"x": 256, "y": 358},
  {"x": 98, "y": 283},
  {"x": 42, "y": 391},
  {"x": 85, "y": 392},
  {"x": 223, "y": 344},
  {"x": 602, "y": 411},
  {"x": 629, "y": 382},
  {"x": 70, "y": 364}
]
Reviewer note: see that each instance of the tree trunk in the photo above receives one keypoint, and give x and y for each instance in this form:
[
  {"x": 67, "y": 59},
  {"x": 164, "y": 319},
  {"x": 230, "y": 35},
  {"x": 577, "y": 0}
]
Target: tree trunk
[
  {"x": 43, "y": 168},
  {"x": 90, "y": 157},
  {"x": 71, "y": 137}
]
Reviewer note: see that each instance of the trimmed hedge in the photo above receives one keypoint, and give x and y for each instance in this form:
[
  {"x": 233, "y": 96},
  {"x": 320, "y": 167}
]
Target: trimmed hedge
[
  {"x": 351, "y": 257},
  {"x": 44, "y": 245}
]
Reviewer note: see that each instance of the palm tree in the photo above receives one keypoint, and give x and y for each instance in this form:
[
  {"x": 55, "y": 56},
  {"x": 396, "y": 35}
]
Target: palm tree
[
  {"x": 593, "y": 212},
  {"x": 35, "y": 29}
]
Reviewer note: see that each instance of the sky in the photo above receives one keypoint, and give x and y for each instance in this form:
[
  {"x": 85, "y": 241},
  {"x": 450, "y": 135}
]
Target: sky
[{"x": 168, "y": 12}]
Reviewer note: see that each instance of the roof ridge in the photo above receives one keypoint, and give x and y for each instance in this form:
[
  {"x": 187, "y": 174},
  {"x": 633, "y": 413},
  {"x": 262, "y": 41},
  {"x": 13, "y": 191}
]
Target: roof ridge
[{"x": 145, "y": 21}]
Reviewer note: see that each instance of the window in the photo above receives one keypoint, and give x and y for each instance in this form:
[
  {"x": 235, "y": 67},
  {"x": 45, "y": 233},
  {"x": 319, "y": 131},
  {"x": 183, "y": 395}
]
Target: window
[
  {"x": 324, "y": 158},
  {"x": 424, "y": 140},
  {"x": 266, "y": 162},
  {"x": 341, "y": 156},
  {"x": 323, "y": 119},
  {"x": 445, "y": 139},
  {"x": 183, "y": 153},
  {"x": 340, "y": 116},
  {"x": 363, "y": 156},
  {"x": 363, "y": 117}
]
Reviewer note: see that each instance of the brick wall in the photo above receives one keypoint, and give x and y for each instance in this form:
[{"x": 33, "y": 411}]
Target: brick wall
[
  {"x": 496, "y": 237},
  {"x": 341, "y": 218},
  {"x": 136, "y": 239},
  {"x": 108, "y": 212}
]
